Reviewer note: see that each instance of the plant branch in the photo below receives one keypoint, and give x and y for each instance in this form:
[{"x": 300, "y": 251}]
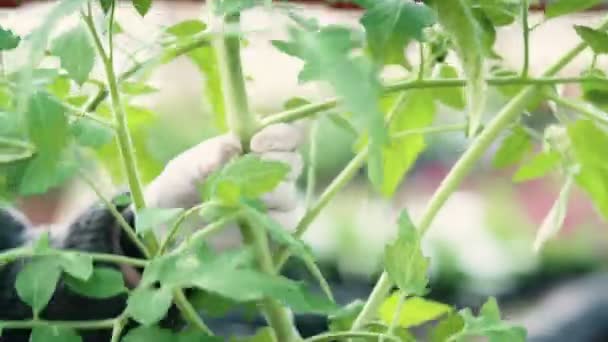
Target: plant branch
[
  {"x": 125, "y": 144},
  {"x": 462, "y": 168},
  {"x": 311, "y": 172},
  {"x": 314, "y": 108},
  {"x": 585, "y": 109},
  {"x": 329, "y": 337},
  {"x": 525, "y": 7},
  {"x": 124, "y": 225},
  {"x": 118, "y": 327},
  {"x": 78, "y": 325},
  {"x": 19, "y": 253},
  {"x": 177, "y": 225},
  {"x": 189, "y": 312}
]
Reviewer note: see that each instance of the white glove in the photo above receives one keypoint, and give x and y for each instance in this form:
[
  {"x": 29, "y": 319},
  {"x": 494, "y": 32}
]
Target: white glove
[{"x": 178, "y": 185}]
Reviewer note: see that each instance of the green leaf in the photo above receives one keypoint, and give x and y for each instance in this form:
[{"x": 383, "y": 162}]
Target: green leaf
[
  {"x": 76, "y": 53},
  {"x": 43, "y": 244},
  {"x": 77, "y": 265},
  {"x": 415, "y": 310},
  {"x": 136, "y": 88},
  {"x": 91, "y": 133},
  {"x": 554, "y": 220},
  {"x": 450, "y": 96},
  {"x": 151, "y": 218},
  {"x": 448, "y": 327},
  {"x": 149, "y": 305},
  {"x": 587, "y": 140},
  {"x": 327, "y": 56},
  {"x": 595, "y": 92},
  {"x": 537, "y": 167},
  {"x": 149, "y": 334},
  {"x": 391, "y": 24},
  {"x": 105, "y": 5},
  {"x": 404, "y": 262},
  {"x": 142, "y": 6},
  {"x": 558, "y": 8},
  {"x": 187, "y": 28},
  {"x": 513, "y": 148},
  {"x": 8, "y": 39},
  {"x": 457, "y": 18},
  {"x": 417, "y": 111},
  {"x": 248, "y": 177},
  {"x": 488, "y": 324},
  {"x": 103, "y": 283},
  {"x": 342, "y": 319},
  {"x": 229, "y": 7},
  {"x": 49, "y": 333},
  {"x": 500, "y": 12},
  {"x": 60, "y": 87},
  {"x": 196, "y": 336},
  {"x": 597, "y": 40},
  {"x": 36, "y": 282}
]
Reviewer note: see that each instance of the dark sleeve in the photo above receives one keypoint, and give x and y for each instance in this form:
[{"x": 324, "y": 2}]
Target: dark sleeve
[{"x": 96, "y": 230}]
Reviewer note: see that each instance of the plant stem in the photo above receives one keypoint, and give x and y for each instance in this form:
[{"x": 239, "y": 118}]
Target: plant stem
[
  {"x": 118, "y": 327},
  {"x": 78, "y": 325},
  {"x": 127, "y": 229},
  {"x": 312, "y": 165},
  {"x": 329, "y": 337},
  {"x": 18, "y": 253},
  {"x": 125, "y": 143},
  {"x": 314, "y": 108},
  {"x": 189, "y": 312},
  {"x": 585, "y": 109},
  {"x": 396, "y": 316},
  {"x": 240, "y": 119},
  {"x": 461, "y": 169},
  {"x": 180, "y": 220},
  {"x": 525, "y": 7},
  {"x": 244, "y": 124},
  {"x": 429, "y": 130},
  {"x": 276, "y": 315},
  {"x": 345, "y": 176}
]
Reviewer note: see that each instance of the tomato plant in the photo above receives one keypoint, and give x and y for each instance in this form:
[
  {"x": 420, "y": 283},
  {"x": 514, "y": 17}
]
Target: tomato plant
[{"x": 52, "y": 127}]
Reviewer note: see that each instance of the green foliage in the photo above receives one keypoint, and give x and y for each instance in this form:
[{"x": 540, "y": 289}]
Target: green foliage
[
  {"x": 79, "y": 266},
  {"x": 415, "y": 310},
  {"x": 390, "y": 25},
  {"x": 404, "y": 261},
  {"x": 104, "y": 282},
  {"x": 76, "y": 53},
  {"x": 416, "y": 111},
  {"x": 541, "y": 164},
  {"x": 230, "y": 7},
  {"x": 36, "y": 282},
  {"x": 561, "y": 7},
  {"x": 247, "y": 177},
  {"x": 150, "y": 218},
  {"x": 488, "y": 324},
  {"x": 157, "y": 334},
  {"x": 142, "y": 6},
  {"x": 54, "y": 334},
  {"x": 149, "y": 305},
  {"x": 458, "y": 19},
  {"x": 452, "y": 97},
  {"x": 597, "y": 40},
  {"x": 8, "y": 39},
  {"x": 513, "y": 148}
]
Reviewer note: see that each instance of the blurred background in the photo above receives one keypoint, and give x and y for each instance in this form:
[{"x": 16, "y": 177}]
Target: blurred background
[{"x": 481, "y": 242}]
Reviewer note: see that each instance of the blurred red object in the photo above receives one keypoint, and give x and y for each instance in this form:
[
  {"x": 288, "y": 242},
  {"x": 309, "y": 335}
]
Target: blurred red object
[{"x": 9, "y": 3}]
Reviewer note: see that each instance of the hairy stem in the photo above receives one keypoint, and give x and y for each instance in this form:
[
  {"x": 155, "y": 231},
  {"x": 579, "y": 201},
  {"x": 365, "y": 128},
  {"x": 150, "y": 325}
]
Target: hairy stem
[
  {"x": 19, "y": 253},
  {"x": 311, "y": 172},
  {"x": 244, "y": 124},
  {"x": 118, "y": 327},
  {"x": 585, "y": 109},
  {"x": 189, "y": 312},
  {"x": 125, "y": 143},
  {"x": 462, "y": 168}
]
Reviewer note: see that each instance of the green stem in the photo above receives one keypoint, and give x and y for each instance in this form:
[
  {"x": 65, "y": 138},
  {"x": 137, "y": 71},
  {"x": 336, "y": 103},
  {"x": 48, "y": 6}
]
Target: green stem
[
  {"x": 345, "y": 176},
  {"x": 125, "y": 144},
  {"x": 585, "y": 109},
  {"x": 124, "y": 225},
  {"x": 312, "y": 164},
  {"x": 177, "y": 225},
  {"x": 329, "y": 337},
  {"x": 19, "y": 253},
  {"x": 307, "y": 110},
  {"x": 118, "y": 327},
  {"x": 77, "y": 325},
  {"x": 228, "y": 50},
  {"x": 429, "y": 130},
  {"x": 397, "y": 315},
  {"x": 189, "y": 312},
  {"x": 276, "y": 315},
  {"x": 461, "y": 169},
  {"x": 525, "y": 7}
]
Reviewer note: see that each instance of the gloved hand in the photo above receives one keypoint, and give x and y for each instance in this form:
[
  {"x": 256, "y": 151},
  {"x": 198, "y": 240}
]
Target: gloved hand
[{"x": 178, "y": 185}]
